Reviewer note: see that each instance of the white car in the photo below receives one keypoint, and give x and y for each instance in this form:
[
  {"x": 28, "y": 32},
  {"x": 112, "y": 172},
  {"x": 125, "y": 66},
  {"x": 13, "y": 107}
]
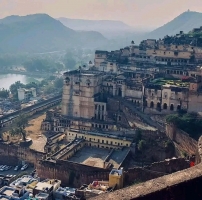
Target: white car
[
  {"x": 24, "y": 167},
  {"x": 3, "y": 168},
  {"x": 17, "y": 168}
]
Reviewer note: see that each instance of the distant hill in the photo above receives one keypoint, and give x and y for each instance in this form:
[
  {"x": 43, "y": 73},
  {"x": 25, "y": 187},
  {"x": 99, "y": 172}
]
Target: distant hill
[
  {"x": 42, "y": 33},
  {"x": 94, "y": 25},
  {"x": 109, "y": 28},
  {"x": 184, "y": 22}
]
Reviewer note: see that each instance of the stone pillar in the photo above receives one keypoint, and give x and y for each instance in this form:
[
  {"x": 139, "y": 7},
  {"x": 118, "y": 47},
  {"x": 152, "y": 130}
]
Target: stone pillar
[
  {"x": 114, "y": 89},
  {"x": 123, "y": 90}
]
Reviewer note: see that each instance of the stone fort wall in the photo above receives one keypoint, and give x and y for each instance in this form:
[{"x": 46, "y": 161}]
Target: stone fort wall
[
  {"x": 12, "y": 154},
  {"x": 183, "y": 142}
]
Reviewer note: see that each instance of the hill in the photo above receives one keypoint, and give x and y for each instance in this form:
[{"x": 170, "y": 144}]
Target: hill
[
  {"x": 94, "y": 25},
  {"x": 184, "y": 22},
  {"x": 42, "y": 33},
  {"x": 109, "y": 28}
]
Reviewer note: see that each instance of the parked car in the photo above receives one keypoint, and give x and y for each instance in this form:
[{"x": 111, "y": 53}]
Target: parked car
[
  {"x": 17, "y": 167},
  {"x": 24, "y": 167},
  {"x": 3, "y": 168},
  {"x": 7, "y": 168}
]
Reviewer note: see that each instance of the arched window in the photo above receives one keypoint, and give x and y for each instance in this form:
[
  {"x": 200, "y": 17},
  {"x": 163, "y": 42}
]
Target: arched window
[
  {"x": 171, "y": 107},
  {"x": 179, "y": 107},
  {"x": 165, "y": 106},
  {"x": 151, "y": 104},
  {"x": 158, "y": 106}
]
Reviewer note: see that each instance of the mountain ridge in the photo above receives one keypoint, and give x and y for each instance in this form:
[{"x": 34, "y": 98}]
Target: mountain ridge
[
  {"x": 186, "y": 21},
  {"x": 40, "y": 32}
]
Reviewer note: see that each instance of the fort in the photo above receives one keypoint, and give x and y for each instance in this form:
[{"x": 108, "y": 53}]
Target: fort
[{"x": 111, "y": 124}]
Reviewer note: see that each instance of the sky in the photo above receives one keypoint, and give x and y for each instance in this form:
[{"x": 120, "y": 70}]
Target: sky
[{"x": 137, "y": 13}]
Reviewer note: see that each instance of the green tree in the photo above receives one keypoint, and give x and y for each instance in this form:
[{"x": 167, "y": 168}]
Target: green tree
[
  {"x": 15, "y": 86},
  {"x": 19, "y": 128},
  {"x": 21, "y": 121},
  {"x": 58, "y": 83},
  {"x": 142, "y": 145},
  {"x": 49, "y": 89},
  {"x": 4, "y": 93},
  {"x": 138, "y": 135},
  {"x": 69, "y": 61}
]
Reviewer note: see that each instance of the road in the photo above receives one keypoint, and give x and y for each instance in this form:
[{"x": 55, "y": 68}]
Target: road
[
  {"x": 7, "y": 118},
  {"x": 142, "y": 115}
]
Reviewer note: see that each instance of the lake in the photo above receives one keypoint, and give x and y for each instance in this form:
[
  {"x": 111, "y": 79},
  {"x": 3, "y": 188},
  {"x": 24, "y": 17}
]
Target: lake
[{"x": 7, "y": 79}]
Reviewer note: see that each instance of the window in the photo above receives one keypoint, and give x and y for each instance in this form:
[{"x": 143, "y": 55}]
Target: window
[{"x": 102, "y": 141}]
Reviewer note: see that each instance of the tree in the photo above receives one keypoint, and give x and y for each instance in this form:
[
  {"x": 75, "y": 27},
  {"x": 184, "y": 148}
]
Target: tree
[
  {"x": 49, "y": 89},
  {"x": 21, "y": 121},
  {"x": 138, "y": 135},
  {"x": 58, "y": 83},
  {"x": 142, "y": 145},
  {"x": 15, "y": 86},
  {"x": 19, "y": 129},
  {"x": 69, "y": 61},
  {"x": 4, "y": 93}
]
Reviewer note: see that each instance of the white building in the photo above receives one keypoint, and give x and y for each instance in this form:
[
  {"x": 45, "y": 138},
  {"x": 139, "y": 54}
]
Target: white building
[{"x": 26, "y": 94}]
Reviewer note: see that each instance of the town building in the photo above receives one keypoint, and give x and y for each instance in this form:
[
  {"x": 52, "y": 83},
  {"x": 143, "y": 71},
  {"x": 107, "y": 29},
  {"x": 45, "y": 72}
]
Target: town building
[{"x": 26, "y": 94}]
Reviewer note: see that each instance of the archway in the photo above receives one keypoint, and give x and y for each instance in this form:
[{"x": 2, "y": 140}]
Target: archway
[
  {"x": 145, "y": 103},
  {"x": 158, "y": 106},
  {"x": 179, "y": 107},
  {"x": 165, "y": 106},
  {"x": 171, "y": 107},
  {"x": 119, "y": 92},
  {"x": 151, "y": 104}
]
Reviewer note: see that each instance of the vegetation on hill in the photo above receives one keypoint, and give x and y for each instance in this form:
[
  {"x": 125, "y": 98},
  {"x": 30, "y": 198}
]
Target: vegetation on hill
[
  {"x": 191, "y": 123},
  {"x": 42, "y": 33}
]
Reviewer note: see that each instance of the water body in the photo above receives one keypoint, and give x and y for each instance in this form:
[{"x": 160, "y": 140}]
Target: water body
[{"x": 8, "y": 79}]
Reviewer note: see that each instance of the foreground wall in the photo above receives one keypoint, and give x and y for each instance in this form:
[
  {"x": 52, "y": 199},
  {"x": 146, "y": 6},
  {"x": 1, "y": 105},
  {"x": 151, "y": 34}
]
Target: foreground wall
[
  {"x": 12, "y": 154},
  {"x": 182, "y": 185}
]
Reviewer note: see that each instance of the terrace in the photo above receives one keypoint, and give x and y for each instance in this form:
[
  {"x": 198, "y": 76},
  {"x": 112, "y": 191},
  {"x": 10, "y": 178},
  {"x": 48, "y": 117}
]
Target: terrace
[{"x": 173, "y": 82}]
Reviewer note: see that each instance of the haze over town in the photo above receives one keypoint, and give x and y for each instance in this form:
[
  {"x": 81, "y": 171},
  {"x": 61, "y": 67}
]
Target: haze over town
[{"x": 147, "y": 14}]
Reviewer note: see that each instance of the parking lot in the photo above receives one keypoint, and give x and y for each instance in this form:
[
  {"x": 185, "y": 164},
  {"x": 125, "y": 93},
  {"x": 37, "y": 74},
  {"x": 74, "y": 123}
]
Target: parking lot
[{"x": 13, "y": 172}]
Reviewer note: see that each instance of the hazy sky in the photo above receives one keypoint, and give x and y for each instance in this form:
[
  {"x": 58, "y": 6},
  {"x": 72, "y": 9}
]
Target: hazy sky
[{"x": 151, "y": 13}]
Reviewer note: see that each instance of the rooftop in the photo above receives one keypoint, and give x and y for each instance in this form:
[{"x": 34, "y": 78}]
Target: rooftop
[
  {"x": 7, "y": 191},
  {"x": 65, "y": 191},
  {"x": 91, "y": 156},
  {"x": 43, "y": 186},
  {"x": 23, "y": 181},
  {"x": 170, "y": 82},
  {"x": 103, "y": 134},
  {"x": 42, "y": 195}
]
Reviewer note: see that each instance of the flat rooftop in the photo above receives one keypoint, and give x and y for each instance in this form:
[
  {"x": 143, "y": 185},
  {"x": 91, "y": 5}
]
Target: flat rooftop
[
  {"x": 91, "y": 156},
  {"x": 95, "y": 157},
  {"x": 7, "y": 191}
]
